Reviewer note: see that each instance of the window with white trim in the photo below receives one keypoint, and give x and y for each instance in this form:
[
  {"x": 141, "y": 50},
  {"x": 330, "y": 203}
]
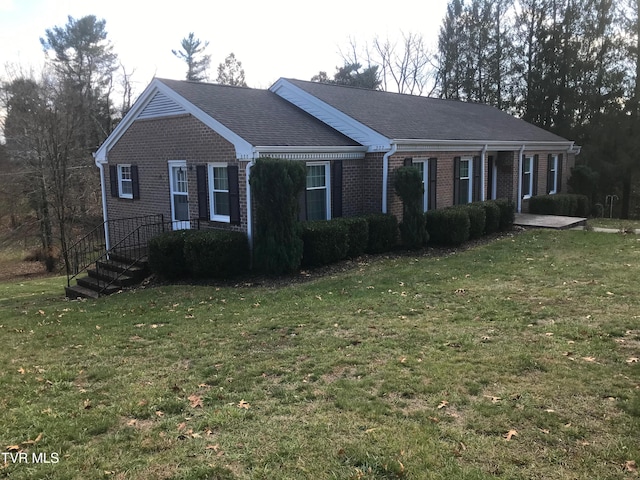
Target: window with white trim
[
  {"x": 465, "y": 186},
  {"x": 318, "y": 199},
  {"x": 527, "y": 177},
  {"x": 219, "y": 192},
  {"x": 125, "y": 181},
  {"x": 553, "y": 174}
]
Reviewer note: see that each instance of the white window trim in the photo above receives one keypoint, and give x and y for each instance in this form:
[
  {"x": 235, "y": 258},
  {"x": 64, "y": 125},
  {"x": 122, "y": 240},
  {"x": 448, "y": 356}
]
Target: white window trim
[
  {"x": 554, "y": 160},
  {"x": 530, "y": 161},
  {"x": 211, "y": 191},
  {"x": 177, "y": 224},
  {"x": 470, "y": 177},
  {"x": 327, "y": 186},
  {"x": 425, "y": 181},
  {"x": 121, "y": 181}
]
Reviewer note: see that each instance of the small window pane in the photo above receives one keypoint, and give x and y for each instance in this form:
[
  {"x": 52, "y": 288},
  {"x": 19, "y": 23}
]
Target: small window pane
[
  {"x": 220, "y": 178},
  {"x": 126, "y": 187},
  {"x": 181, "y": 207},
  {"x": 221, "y": 203},
  {"x": 316, "y": 176},
  {"x": 463, "y": 191},
  {"x": 464, "y": 169},
  {"x": 316, "y": 204}
]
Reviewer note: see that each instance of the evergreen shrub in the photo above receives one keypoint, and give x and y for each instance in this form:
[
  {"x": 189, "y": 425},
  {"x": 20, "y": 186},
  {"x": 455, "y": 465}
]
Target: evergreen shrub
[
  {"x": 276, "y": 185},
  {"x": 383, "y": 232},
  {"x": 166, "y": 254},
  {"x": 448, "y": 226},
  {"x": 507, "y": 213},
  {"x": 408, "y": 186},
  {"x": 492, "y": 216},
  {"x": 357, "y": 236},
  {"x": 217, "y": 253},
  {"x": 325, "y": 241},
  {"x": 568, "y": 204}
]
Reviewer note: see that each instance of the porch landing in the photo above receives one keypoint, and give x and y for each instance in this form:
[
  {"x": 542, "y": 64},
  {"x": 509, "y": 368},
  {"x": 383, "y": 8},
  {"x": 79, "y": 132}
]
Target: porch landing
[{"x": 548, "y": 221}]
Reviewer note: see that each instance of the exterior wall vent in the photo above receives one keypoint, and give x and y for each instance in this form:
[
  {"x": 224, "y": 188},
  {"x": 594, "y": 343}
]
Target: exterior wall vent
[{"x": 161, "y": 106}]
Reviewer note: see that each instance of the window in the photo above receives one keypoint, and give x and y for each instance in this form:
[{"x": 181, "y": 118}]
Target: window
[
  {"x": 464, "y": 182},
  {"x": 527, "y": 177},
  {"x": 318, "y": 198},
  {"x": 219, "y": 193},
  {"x": 423, "y": 168},
  {"x": 552, "y": 187},
  {"x": 125, "y": 181}
]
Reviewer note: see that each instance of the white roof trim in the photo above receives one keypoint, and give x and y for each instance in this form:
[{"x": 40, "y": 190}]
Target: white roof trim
[
  {"x": 407, "y": 145},
  {"x": 244, "y": 149},
  {"x": 311, "y": 153},
  {"x": 333, "y": 117}
]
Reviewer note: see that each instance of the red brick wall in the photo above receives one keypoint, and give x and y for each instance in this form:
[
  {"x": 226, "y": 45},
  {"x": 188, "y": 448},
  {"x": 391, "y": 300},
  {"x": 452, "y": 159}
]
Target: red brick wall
[{"x": 150, "y": 144}]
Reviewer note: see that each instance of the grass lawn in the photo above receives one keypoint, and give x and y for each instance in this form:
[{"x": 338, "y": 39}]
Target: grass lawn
[
  {"x": 618, "y": 223},
  {"x": 514, "y": 360}
]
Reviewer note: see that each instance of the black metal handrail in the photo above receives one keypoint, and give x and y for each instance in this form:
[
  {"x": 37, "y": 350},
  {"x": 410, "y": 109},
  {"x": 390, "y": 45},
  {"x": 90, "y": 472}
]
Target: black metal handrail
[{"x": 92, "y": 246}]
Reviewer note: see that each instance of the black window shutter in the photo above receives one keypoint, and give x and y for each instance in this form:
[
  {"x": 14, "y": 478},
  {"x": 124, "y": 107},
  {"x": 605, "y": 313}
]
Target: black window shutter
[
  {"x": 477, "y": 179},
  {"x": 559, "y": 174},
  {"x": 234, "y": 195},
  {"x": 408, "y": 162},
  {"x": 203, "y": 204},
  {"x": 113, "y": 180},
  {"x": 456, "y": 180},
  {"x": 433, "y": 182},
  {"x": 549, "y": 173},
  {"x": 525, "y": 187},
  {"x": 135, "y": 184},
  {"x": 336, "y": 189},
  {"x": 535, "y": 175}
]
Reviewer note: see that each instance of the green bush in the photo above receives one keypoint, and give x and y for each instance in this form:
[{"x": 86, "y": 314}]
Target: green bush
[
  {"x": 276, "y": 185},
  {"x": 357, "y": 236},
  {"x": 216, "y": 253},
  {"x": 325, "y": 241},
  {"x": 166, "y": 254},
  {"x": 571, "y": 205},
  {"x": 507, "y": 213},
  {"x": 448, "y": 226},
  {"x": 408, "y": 186},
  {"x": 492, "y": 216},
  {"x": 383, "y": 232},
  {"x": 477, "y": 219}
]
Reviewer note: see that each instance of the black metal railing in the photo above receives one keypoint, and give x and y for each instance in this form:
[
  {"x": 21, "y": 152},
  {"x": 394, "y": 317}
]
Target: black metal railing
[{"x": 88, "y": 249}]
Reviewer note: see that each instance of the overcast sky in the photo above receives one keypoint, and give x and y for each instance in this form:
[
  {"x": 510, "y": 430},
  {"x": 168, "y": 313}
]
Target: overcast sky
[{"x": 272, "y": 38}]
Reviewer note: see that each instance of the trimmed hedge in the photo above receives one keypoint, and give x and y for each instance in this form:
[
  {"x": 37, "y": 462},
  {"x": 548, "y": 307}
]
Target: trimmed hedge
[
  {"x": 166, "y": 254},
  {"x": 325, "y": 241},
  {"x": 383, "y": 232},
  {"x": 217, "y": 253},
  {"x": 492, "y": 216},
  {"x": 571, "y": 205},
  {"x": 477, "y": 219},
  {"x": 507, "y": 213},
  {"x": 448, "y": 226},
  {"x": 199, "y": 253},
  {"x": 357, "y": 235}
]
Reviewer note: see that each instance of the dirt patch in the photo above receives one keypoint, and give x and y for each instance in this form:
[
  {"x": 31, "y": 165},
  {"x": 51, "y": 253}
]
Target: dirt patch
[{"x": 21, "y": 270}]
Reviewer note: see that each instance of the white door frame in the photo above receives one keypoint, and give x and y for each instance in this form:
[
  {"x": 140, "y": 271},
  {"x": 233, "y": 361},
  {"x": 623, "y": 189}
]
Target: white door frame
[{"x": 173, "y": 166}]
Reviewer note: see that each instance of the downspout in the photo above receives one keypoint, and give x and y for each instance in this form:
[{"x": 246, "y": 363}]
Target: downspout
[
  {"x": 249, "y": 213},
  {"x": 100, "y": 166},
  {"x": 520, "y": 178},
  {"x": 483, "y": 189},
  {"x": 385, "y": 174}
]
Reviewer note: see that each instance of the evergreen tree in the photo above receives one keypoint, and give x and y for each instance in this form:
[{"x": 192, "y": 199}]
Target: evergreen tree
[
  {"x": 230, "y": 72},
  {"x": 192, "y": 54}
]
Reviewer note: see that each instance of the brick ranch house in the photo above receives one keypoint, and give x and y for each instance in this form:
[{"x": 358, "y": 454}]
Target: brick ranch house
[{"x": 185, "y": 150}]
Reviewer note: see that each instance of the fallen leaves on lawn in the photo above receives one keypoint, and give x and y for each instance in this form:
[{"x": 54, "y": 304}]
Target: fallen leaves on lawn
[
  {"x": 195, "y": 401},
  {"x": 510, "y": 434},
  {"x": 492, "y": 398},
  {"x": 13, "y": 448},
  {"x": 630, "y": 466},
  {"x": 244, "y": 405},
  {"x": 32, "y": 442},
  {"x": 443, "y": 404},
  {"x": 632, "y": 360}
]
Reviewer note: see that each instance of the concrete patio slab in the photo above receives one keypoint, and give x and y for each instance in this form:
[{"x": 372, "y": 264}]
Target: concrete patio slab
[{"x": 548, "y": 221}]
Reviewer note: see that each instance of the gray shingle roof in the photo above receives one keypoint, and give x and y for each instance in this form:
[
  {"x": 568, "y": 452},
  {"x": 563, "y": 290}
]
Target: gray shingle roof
[
  {"x": 400, "y": 116},
  {"x": 261, "y": 117}
]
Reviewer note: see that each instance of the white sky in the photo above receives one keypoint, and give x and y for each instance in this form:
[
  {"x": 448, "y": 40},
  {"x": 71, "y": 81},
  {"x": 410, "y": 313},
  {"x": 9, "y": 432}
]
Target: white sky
[{"x": 272, "y": 38}]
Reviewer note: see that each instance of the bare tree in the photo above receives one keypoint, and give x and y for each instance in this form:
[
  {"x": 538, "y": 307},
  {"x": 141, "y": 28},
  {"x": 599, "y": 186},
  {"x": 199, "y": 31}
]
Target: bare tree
[{"x": 230, "y": 72}]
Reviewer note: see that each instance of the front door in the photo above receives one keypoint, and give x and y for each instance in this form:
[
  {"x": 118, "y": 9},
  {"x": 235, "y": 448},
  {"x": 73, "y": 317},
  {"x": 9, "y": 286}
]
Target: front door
[{"x": 179, "y": 186}]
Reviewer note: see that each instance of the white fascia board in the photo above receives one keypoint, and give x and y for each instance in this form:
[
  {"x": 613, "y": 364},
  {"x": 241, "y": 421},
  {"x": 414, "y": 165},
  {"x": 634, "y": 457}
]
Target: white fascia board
[
  {"x": 407, "y": 145},
  {"x": 244, "y": 149},
  {"x": 333, "y": 117}
]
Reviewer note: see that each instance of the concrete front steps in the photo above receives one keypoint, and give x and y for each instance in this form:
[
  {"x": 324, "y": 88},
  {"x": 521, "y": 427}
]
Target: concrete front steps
[{"x": 117, "y": 272}]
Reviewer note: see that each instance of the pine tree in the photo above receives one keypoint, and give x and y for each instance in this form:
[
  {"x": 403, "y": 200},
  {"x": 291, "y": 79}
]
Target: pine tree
[{"x": 193, "y": 54}]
